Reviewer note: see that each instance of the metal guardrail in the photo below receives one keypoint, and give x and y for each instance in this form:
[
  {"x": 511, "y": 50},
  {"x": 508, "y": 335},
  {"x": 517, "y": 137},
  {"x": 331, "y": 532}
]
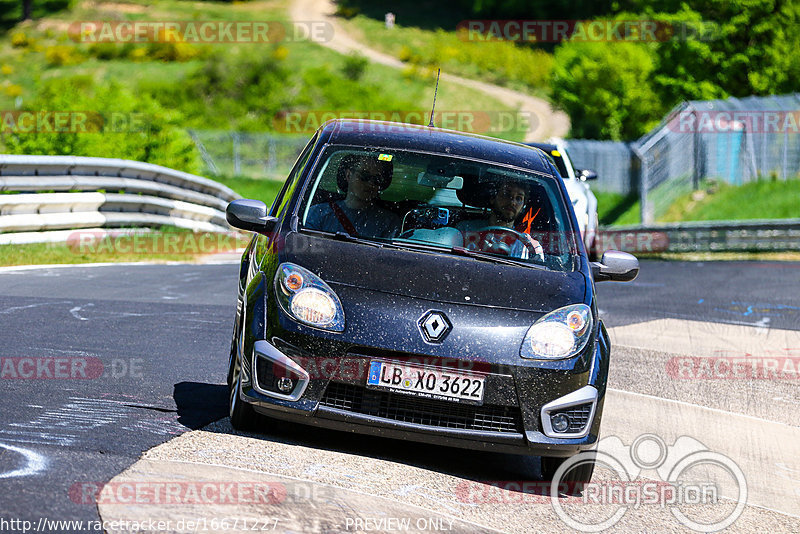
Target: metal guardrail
[
  {"x": 711, "y": 236},
  {"x": 103, "y": 193}
]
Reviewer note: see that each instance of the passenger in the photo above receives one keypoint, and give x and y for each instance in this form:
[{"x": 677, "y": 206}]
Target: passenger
[
  {"x": 506, "y": 206},
  {"x": 362, "y": 178}
]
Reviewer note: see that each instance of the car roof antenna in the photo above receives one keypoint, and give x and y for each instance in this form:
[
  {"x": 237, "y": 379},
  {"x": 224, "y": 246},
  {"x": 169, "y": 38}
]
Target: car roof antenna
[{"x": 430, "y": 124}]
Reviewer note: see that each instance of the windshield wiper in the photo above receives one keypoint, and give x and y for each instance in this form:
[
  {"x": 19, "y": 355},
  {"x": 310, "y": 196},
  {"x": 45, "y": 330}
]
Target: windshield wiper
[
  {"x": 461, "y": 251},
  {"x": 344, "y": 236}
]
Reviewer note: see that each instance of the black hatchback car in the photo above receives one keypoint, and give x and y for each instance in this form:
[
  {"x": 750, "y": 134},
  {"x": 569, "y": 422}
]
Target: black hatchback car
[{"x": 422, "y": 284}]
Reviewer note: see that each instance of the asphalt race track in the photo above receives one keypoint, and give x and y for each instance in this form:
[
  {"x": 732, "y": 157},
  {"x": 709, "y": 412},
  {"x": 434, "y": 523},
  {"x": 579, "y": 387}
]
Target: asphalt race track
[{"x": 101, "y": 364}]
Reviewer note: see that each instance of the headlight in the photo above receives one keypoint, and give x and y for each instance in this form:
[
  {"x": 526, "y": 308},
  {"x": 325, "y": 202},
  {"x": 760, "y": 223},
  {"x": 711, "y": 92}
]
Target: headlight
[
  {"x": 305, "y": 297},
  {"x": 559, "y": 334}
]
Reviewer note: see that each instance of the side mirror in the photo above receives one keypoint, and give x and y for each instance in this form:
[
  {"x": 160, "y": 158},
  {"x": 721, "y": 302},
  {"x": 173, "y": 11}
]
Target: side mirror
[
  {"x": 615, "y": 266},
  {"x": 587, "y": 174},
  {"x": 250, "y": 215}
]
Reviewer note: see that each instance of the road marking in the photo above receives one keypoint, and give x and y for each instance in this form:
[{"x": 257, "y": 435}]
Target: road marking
[
  {"x": 35, "y": 462},
  {"x": 17, "y": 308},
  {"x": 74, "y": 311},
  {"x": 66, "y": 425}
]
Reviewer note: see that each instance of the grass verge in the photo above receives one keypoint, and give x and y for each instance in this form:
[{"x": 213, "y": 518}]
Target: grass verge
[
  {"x": 260, "y": 189},
  {"x": 500, "y": 62},
  {"x": 764, "y": 199},
  {"x": 90, "y": 246}
]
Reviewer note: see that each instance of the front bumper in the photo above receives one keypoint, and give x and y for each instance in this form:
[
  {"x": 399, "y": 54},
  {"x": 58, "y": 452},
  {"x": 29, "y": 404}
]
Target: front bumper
[{"x": 332, "y": 394}]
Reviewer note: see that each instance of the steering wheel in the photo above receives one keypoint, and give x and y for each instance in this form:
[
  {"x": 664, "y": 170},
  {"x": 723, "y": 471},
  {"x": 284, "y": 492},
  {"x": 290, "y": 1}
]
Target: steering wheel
[{"x": 491, "y": 241}]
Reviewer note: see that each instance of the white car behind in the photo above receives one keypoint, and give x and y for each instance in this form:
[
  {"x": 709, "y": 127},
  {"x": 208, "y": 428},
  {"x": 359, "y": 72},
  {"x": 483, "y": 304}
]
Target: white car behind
[{"x": 584, "y": 203}]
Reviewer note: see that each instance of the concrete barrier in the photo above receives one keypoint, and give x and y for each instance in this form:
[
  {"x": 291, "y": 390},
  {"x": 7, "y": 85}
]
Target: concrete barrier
[{"x": 50, "y": 194}]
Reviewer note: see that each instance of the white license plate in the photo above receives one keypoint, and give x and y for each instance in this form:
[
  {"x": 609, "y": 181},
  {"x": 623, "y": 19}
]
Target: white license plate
[{"x": 427, "y": 382}]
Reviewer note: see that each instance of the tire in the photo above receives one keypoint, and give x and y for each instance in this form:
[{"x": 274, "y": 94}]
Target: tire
[
  {"x": 238, "y": 325},
  {"x": 576, "y": 478},
  {"x": 243, "y": 416}
]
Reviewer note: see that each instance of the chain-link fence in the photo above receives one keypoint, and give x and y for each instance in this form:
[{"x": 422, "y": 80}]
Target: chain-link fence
[
  {"x": 734, "y": 140},
  {"x": 254, "y": 155},
  {"x": 613, "y": 161}
]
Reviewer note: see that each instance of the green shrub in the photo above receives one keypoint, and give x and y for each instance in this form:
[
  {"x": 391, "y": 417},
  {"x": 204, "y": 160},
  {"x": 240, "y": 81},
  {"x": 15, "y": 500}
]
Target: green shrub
[
  {"x": 19, "y": 39},
  {"x": 173, "y": 51},
  {"x": 133, "y": 126},
  {"x": 61, "y": 55},
  {"x": 354, "y": 66},
  {"x": 106, "y": 51},
  {"x": 11, "y": 89}
]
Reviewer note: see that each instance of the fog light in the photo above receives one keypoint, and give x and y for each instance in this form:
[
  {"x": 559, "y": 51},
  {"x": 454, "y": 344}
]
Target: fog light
[
  {"x": 285, "y": 384},
  {"x": 560, "y": 422}
]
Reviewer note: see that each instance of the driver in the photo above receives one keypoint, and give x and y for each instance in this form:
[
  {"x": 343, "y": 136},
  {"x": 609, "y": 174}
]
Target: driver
[
  {"x": 506, "y": 205},
  {"x": 362, "y": 178}
]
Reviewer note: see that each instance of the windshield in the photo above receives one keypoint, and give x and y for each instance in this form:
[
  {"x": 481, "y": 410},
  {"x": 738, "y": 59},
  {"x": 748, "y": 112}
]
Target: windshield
[{"x": 441, "y": 204}]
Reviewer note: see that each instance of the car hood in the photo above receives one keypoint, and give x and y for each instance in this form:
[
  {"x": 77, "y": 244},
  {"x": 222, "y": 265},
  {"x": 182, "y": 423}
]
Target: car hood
[{"x": 433, "y": 276}]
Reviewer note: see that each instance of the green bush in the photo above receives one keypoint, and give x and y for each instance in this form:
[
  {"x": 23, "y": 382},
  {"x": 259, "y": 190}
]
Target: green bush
[
  {"x": 354, "y": 66},
  {"x": 61, "y": 55},
  {"x": 19, "y": 39},
  {"x": 605, "y": 88},
  {"x": 122, "y": 124},
  {"x": 109, "y": 51},
  {"x": 173, "y": 51}
]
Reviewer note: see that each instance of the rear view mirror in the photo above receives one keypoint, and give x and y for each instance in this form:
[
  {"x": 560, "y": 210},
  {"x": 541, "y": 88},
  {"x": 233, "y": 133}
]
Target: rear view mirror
[
  {"x": 250, "y": 215},
  {"x": 587, "y": 174},
  {"x": 616, "y": 266},
  {"x": 438, "y": 181}
]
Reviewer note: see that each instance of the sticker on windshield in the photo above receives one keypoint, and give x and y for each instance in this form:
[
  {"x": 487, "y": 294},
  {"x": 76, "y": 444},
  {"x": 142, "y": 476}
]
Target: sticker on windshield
[
  {"x": 556, "y": 153},
  {"x": 385, "y": 157}
]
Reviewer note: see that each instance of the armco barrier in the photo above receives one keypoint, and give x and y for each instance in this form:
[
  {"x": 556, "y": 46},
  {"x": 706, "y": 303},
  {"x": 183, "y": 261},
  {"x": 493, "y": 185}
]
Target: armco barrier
[
  {"x": 102, "y": 192},
  {"x": 711, "y": 236}
]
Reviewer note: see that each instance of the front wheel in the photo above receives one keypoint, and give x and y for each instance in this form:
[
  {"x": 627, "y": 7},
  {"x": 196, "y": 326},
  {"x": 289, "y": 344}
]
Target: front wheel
[
  {"x": 577, "y": 475},
  {"x": 243, "y": 416}
]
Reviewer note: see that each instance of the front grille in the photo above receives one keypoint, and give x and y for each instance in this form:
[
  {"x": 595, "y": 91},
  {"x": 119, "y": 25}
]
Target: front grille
[
  {"x": 399, "y": 407},
  {"x": 578, "y": 416}
]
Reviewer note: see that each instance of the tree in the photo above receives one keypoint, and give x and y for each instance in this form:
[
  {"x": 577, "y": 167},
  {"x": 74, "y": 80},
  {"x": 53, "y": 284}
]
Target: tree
[{"x": 605, "y": 88}]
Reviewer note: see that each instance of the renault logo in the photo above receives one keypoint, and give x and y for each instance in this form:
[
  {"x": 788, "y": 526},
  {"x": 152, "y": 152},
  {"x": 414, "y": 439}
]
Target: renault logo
[{"x": 434, "y": 326}]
